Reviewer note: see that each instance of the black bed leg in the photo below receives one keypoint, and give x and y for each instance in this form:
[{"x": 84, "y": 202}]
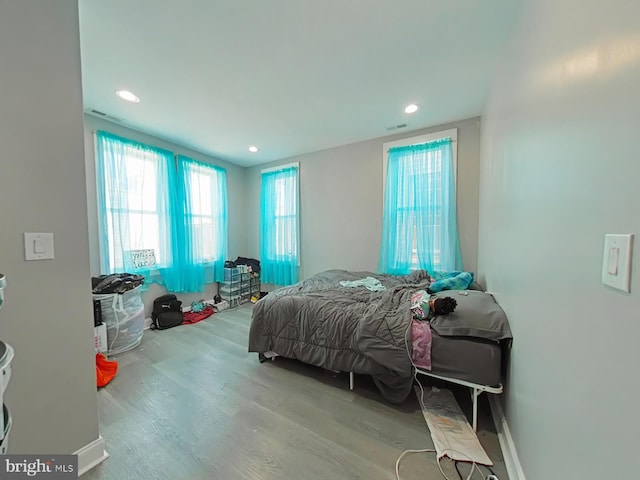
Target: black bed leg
[{"x": 262, "y": 358}]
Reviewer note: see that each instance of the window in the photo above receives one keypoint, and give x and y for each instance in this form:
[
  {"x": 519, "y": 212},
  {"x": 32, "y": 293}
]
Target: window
[
  {"x": 205, "y": 192},
  {"x": 147, "y": 204},
  {"x": 279, "y": 225},
  {"x": 419, "y": 218},
  {"x": 135, "y": 212},
  {"x": 286, "y": 217},
  {"x": 424, "y": 168}
]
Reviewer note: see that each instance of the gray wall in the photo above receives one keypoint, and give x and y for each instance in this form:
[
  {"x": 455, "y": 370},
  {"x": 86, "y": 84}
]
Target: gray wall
[
  {"x": 48, "y": 316},
  {"x": 560, "y": 168},
  {"x": 341, "y": 195},
  {"x": 236, "y": 201}
]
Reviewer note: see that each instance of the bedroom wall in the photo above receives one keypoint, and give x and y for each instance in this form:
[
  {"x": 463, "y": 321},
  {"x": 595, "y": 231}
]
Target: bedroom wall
[
  {"x": 559, "y": 170},
  {"x": 236, "y": 192},
  {"x": 47, "y": 316},
  {"x": 341, "y": 195}
]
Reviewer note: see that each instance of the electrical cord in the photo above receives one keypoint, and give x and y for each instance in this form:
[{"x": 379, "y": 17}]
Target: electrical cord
[
  {"x": 406, "y": 452},
  {"x": 492, "y": 475}
]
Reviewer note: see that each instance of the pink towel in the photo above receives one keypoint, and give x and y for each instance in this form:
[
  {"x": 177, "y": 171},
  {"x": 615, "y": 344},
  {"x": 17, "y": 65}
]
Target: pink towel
[{"x": 421, "y": 342}]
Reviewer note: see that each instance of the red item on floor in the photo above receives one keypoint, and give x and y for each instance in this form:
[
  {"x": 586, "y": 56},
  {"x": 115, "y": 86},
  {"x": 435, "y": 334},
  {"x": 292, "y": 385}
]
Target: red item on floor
[
  {"x": 105, "y": 369},
  {"x": 195, "y": 317}
]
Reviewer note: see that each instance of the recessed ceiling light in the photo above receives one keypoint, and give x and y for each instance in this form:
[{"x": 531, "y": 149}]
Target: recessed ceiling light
[
  {"x": 411, "y": 108},
  {"x": 128, "y": 96},
  {"x": 253, "y": 149}
]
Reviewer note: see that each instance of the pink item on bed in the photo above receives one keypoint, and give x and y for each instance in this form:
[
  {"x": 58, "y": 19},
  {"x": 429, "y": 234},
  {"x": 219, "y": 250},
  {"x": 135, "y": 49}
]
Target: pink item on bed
[{"x": 421, "y": 342}]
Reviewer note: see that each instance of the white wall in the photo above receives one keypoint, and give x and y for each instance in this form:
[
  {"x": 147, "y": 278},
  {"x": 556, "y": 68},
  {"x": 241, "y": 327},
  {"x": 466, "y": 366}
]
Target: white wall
[
  {"x": 560, "y": 168},
  {"x": 47, "y": 316},
  {"x": 341, "y": 196},
  {"x": 236, "y": 201}
]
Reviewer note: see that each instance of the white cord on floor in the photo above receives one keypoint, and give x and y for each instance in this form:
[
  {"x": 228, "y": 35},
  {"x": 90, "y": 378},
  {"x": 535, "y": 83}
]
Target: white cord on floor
[{"x": 425, "y": 450}]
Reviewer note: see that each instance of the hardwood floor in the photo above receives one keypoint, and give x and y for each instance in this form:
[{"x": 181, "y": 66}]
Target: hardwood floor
[{"x": 191, "y": 403}]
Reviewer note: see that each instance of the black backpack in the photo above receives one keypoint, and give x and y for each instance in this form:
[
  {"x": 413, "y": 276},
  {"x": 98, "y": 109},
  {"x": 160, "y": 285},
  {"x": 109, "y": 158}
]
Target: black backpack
[{"x": 167, "y": 312}]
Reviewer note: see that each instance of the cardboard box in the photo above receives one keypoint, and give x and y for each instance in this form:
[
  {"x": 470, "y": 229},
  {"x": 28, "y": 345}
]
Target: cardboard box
[{"x": 100, "y": 338}]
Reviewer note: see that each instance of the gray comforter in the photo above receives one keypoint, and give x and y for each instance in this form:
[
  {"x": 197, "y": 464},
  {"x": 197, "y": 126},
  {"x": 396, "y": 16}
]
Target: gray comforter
[{"x": 349, "y": 329}]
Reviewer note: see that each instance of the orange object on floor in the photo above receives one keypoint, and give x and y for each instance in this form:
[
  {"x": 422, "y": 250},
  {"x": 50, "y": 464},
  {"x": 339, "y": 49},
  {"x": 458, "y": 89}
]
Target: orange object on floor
[{"x": 105, "y": 369}]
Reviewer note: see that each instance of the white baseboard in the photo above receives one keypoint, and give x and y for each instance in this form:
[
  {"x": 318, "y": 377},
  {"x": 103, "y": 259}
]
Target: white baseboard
[
  {"x": 509, "y": 453},
  {"x": 91, "y": 455},
  {"x": 147, "y": 323}
]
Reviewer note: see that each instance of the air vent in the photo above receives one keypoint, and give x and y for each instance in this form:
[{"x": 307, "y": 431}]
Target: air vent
[
  {"x": 99, "y": 114},
  {"x": 397, "y": 127}
]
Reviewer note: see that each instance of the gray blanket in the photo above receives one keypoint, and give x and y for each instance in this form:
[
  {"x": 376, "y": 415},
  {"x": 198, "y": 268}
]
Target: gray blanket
[{"x": 341, "y": 328}]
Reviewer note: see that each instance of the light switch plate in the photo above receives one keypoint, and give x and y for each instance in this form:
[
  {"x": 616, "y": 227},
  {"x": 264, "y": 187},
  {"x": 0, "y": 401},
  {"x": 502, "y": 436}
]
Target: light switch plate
[
  {"x": 38, "y": 246},
  {"x": 616, "y": 261}
]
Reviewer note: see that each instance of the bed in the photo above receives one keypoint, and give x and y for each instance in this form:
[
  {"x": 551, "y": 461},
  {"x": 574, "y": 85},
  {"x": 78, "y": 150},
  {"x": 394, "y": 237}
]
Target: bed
[{"x": 365, "y": 329}]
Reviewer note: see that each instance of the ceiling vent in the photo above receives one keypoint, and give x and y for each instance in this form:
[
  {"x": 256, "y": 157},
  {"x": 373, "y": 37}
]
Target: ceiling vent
[
  {"x": 397, "y": 127},
  {"x": 99, "y": 114}
]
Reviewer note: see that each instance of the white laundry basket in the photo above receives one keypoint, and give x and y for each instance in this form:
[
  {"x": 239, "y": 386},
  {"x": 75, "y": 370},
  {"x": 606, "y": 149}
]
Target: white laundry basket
[{"x": 123, "y": 315}]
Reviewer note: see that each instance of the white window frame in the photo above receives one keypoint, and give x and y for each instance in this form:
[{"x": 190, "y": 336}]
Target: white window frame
[
  {"x": 104, "y": 232},
  {"x": 426, "y": 138},
  {"x": 295, "y": 165},
  {"x": 213, "y": 217}
]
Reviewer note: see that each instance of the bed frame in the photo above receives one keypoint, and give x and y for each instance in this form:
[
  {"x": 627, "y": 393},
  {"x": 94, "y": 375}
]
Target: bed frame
[{"x": 476, "y": 389}]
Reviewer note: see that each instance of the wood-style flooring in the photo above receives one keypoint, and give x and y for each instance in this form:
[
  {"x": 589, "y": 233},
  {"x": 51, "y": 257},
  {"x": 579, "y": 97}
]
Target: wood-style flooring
[{"x": 191, "y": 403}]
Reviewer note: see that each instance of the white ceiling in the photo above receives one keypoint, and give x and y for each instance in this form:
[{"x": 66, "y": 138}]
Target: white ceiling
[{"x": 289, "y": 76}]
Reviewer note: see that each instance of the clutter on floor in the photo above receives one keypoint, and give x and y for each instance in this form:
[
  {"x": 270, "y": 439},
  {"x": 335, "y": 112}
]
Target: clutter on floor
[
  {"x": 197, "y": 316},
  {"x": 118, "y": 312},
  {"x": 105, "y": 370}
]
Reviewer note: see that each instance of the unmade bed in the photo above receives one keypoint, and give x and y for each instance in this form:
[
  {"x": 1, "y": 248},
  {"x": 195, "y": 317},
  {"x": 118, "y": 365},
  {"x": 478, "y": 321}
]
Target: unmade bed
[{"x": 364, "y": 329}]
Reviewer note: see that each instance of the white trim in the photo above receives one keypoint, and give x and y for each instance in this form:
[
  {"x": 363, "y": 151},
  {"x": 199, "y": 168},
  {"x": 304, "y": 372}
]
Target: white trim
[
  {"x": 91, "y": 455},
  {"x": 281, "y": 167},
  {"x": 509, "y": 453},
  {"x": 147, "y": 323},
  {"x": 427, "y": 137}
]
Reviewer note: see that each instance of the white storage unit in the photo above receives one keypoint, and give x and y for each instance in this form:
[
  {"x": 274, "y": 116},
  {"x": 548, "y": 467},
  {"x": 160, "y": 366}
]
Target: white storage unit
[
  {"x": 6, "y": 357},
  {"x": 123, "y": 315},
  {"x": 6, "y": 427}
]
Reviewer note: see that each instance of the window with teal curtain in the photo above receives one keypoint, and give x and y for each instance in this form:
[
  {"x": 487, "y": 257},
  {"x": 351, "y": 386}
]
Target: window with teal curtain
[
  {"x": 146, "y": 203},
  {"x": 203, "y": 189},
  {"x": 136, "y": 200},
  {"x": 279, "y": 226},
  {"x": 419, "y": 220}
]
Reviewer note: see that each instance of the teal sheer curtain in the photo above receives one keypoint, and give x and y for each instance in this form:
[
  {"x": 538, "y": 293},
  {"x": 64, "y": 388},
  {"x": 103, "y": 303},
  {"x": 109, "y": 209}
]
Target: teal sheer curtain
[
  {"x": 203, "y": 225},
  {"x": 136, "y": 206},
  {"x": 279, "y": 226},
  {"x": 419, "y": 220}
]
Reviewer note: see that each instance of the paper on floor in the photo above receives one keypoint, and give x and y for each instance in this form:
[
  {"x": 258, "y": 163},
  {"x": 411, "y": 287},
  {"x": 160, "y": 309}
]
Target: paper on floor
[{"x": 452, "y": 435}]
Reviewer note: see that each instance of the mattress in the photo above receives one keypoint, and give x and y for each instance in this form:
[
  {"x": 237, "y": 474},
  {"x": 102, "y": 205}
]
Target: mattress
[{"x": 470, "y": 359}]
